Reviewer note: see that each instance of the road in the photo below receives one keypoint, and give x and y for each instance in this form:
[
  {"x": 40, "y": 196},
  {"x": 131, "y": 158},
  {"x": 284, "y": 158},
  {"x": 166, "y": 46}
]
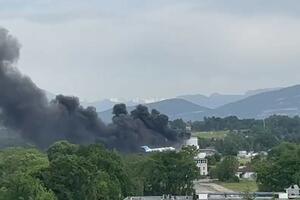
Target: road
[{"x": 208, "y": 187}]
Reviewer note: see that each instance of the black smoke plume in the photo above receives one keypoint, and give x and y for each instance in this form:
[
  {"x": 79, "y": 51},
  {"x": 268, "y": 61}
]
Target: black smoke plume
[{"x": 24, "y": 108}]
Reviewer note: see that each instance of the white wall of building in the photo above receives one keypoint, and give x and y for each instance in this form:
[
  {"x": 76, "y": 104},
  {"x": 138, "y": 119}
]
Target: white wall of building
[{"x": 193, "y": 141}]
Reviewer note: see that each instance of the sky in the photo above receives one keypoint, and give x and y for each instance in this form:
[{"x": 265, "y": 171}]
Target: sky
[{"x": 97, "y": 49}]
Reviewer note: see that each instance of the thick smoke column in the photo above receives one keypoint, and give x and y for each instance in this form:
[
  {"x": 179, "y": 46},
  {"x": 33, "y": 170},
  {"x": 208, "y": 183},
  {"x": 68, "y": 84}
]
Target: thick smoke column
[{"x": 25, "y": 109}]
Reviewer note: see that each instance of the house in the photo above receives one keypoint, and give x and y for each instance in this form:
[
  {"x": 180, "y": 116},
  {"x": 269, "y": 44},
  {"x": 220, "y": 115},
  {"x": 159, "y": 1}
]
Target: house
[
  {"x": 293, "y": 192},
  {"x": 245, "y": 172},
  {"x": 193, "y": 141},
  {"x": 242, "y": 154},
  {"x": 188, "y": 128},
  {"x": 208, "y": 151},
  {"x": 202, "y": 164},
  {"x": 263, "y": 153},
  {"x": 250, "y": 154}
]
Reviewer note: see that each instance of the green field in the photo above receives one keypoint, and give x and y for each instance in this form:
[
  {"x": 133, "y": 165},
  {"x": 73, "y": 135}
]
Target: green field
[
  {"x": 211, "y": 134},
  {"x": 242, "y": 186},
  {"x": 244, "y": 161}
]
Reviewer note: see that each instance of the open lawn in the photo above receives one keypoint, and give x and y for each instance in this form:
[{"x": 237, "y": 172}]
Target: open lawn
[
  {"x": 244, "y": 161},
  {"x": 242, "y": 186},
  {"x": 211, "y": 134}
]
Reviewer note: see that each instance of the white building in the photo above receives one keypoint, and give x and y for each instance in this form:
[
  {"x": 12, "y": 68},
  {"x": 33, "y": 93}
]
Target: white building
[
  {"x": 200, "y": 159},
  {"x": 242, "y": 154},
  {"x": 193, "y": 141},
  {"x": 250, "y": 154},
  {"x": 293, "y": 192},
  {"x": 202, "y": 164},
  {"x": 245, "y": 172}
]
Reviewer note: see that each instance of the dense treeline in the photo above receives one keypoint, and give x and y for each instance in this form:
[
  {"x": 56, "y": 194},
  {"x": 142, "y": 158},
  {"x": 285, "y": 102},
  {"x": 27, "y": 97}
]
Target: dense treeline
[
  {"x": 74, "y": 172},
  {"x": 249, "y": 134},
  {"x": 234, "y": 142},
  {"x": 284, "y": 127},
  {"x": 280, "y": 169},
  {"x": 227, "y": 123},
  {"x": 164, "y": 173}
]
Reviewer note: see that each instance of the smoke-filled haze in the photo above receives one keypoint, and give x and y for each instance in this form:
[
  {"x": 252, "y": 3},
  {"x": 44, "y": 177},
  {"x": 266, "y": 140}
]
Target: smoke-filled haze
[{"x": 25, "y": 109}]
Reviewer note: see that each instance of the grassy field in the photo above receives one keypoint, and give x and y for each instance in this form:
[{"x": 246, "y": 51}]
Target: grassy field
[
  {"x": 242, "y": 186},
  {"x": 211, "y": 134},
  {"x": 244, "y": 161}
]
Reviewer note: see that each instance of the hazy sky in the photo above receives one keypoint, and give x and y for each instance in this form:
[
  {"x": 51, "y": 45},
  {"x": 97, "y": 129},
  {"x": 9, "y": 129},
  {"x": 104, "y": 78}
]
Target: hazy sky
[{"x": 155, "y": 48}]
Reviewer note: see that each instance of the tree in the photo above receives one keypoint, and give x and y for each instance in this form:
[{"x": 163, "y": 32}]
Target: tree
[
  {"x": 18, "y": 169},
  {"x": 85, "y": 172},
  {"x": 25, "y": 187},
  {"x": 280, "y": 169},
  {"x": 170, "y": 173},
  {"x": 25, "y": 160},
  {"x": 227, "y": 168},
  {"x": 61, "y": 148},
  {"x": 213, "y": 159}
]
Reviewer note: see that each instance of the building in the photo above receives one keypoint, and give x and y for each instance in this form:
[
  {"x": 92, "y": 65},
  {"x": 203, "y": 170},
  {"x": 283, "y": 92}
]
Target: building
[
  {"x": 242, "y": 154},
  {"x": 202, "y": 164},
  {"x": 188, "y": 128},
  {"x": 245, "y": 172},
  {"x": 250, "y": 154},
  {"x": 200, "y": 159},
  {"x": 293, "y": 192},
  {"x": 193, "y": 141},
  {"x": 208, "y": 151}
]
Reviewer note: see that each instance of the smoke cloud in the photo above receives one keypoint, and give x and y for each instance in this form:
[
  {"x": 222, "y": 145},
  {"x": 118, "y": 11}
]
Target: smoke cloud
[{"x": 25, "y": 109}]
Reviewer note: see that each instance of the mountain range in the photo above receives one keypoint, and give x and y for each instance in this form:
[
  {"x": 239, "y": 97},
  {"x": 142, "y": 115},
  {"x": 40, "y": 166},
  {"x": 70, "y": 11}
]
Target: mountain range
[
  {"x": 253, "y": 104},
  {"x": 285, "y": 101},
  {"x": 175, "y": 108},
  {"x": 216, "y": 100}
]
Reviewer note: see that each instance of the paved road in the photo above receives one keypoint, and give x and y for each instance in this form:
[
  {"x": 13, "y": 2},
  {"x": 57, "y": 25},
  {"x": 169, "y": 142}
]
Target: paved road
[{"x": 207, "y": 187}]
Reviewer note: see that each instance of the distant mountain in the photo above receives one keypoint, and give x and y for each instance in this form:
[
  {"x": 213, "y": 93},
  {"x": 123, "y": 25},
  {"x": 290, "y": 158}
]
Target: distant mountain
[
  {"x": 174, "y": 108},
  {"x": 212, "y": 101},
  {"x": 259, "y": 91},
  {"x": 253, "y": 104},
  {"x": 107, "y": 104},
  {"x": 285, "y": 101},
  {"x": 216, "y": 100}
]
